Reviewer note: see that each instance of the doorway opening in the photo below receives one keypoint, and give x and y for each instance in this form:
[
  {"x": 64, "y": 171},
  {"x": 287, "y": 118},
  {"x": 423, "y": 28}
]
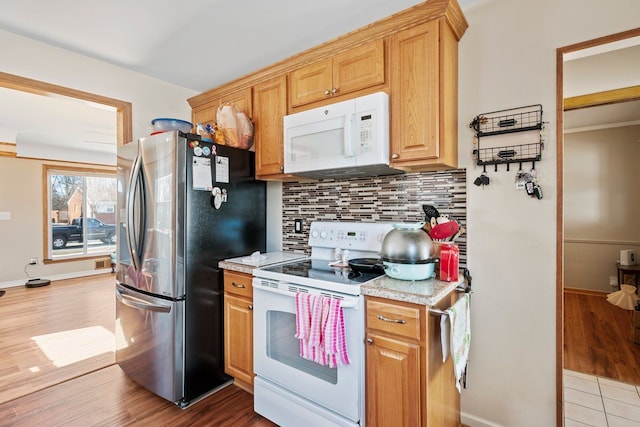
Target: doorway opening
[{"x": 581, "y": 100}]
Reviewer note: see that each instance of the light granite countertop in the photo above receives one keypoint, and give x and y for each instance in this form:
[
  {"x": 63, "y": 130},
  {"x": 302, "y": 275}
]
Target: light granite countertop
[
  {"x": 424, "y": 292},
  {"x": 247, "y": 264}
]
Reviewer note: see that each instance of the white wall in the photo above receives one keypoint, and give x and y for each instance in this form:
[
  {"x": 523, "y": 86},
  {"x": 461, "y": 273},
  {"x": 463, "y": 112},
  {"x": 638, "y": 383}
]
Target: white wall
[
  {"x": 150, "y": 97},
  {"x": 602, "y": 201},
  {"x": 24, "y": 57},
  {"x": 508, "y": 59}
]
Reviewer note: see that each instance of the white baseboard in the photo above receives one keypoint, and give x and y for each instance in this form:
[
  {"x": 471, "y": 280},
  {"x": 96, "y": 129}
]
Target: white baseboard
[
  {"x": 473, "y": 421},
  {"x": 57, "y": 277}
]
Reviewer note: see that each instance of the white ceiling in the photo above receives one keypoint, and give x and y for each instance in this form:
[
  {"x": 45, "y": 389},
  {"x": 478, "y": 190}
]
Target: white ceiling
[{"x": 196, "y": 44}]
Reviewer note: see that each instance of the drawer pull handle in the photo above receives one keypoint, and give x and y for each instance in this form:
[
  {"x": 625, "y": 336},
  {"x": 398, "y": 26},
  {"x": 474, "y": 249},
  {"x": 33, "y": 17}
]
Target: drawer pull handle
[
  {"x": 238, "y": 285},
  {"x": 385, "y": 319}
]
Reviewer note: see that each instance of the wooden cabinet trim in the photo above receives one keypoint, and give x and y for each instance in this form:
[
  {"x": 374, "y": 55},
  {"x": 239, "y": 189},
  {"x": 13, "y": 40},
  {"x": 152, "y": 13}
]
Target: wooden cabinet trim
[{"x": 427, "y": 11}]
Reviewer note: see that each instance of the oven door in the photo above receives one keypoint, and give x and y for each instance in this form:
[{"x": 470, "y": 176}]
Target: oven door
[{"x": 277, "y": 351}]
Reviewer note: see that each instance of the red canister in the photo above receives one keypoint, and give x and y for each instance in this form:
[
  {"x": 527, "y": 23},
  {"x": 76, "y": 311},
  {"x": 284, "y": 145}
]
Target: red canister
[{"x": 449, "y": 262}]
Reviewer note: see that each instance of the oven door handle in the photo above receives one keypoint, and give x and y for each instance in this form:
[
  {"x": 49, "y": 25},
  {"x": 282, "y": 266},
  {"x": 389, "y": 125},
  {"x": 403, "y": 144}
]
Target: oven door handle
[{"x": 348, "y": 302}]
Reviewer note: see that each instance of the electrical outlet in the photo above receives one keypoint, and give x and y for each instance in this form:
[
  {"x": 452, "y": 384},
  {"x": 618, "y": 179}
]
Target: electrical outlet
[
  {"x": 297, "y": 226},
  {"x": 33, "y": 261}
]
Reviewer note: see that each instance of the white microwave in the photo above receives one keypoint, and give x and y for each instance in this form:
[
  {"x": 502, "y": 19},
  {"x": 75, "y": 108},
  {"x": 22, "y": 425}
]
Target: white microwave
[{"x": 345, "y": 139}]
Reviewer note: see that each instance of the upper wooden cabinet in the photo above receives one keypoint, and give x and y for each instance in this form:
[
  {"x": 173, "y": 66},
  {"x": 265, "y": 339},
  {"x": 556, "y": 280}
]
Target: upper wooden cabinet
[
  {"x": 424, "y": 97},
  {"x": 352, "y": 70},
  {"x": 412, "y": 55},
  {"x": 270, "y": 107},
  {"x": 206, "y": 112}
]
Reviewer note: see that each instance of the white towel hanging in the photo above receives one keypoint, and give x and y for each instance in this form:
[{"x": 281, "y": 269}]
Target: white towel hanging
[{"x": 455, "y": 335}]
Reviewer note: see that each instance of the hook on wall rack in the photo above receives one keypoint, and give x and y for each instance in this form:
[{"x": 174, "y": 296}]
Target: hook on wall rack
[{"x": 502, "y": 122}]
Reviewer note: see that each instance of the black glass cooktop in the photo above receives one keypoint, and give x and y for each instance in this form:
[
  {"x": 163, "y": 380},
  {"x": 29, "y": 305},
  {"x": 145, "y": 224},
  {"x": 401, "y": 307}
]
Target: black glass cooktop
[{"x": 320, "y": 270}]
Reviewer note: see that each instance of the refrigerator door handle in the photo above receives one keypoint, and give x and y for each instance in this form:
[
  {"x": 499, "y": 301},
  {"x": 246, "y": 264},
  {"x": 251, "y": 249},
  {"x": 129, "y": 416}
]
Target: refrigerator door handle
[
  {"x": 141, "y": 304},
  {"x": 133, "y": 241}
]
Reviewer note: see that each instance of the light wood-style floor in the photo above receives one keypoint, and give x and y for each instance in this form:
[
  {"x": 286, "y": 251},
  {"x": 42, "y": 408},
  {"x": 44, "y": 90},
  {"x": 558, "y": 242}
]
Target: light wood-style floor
[
  {"x": 598, "y": 338},
  {"x": 55, "y": 333},
  {"x": 74, "y": 319},
  {"x": 108, "y": 398}
]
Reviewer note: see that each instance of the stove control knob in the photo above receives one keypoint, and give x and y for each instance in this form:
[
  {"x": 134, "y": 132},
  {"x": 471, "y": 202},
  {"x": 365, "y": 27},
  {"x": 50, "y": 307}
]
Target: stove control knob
[
  {"x": 314, "y": 233},
  {"x": 323, "y": 234}
]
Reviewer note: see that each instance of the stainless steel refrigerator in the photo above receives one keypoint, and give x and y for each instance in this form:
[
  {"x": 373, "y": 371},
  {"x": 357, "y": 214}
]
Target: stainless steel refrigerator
[{"x": 183, "y": 205}]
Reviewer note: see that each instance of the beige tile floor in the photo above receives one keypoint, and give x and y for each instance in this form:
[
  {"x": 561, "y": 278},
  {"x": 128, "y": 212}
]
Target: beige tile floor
[{"x": 599, "y": 402}]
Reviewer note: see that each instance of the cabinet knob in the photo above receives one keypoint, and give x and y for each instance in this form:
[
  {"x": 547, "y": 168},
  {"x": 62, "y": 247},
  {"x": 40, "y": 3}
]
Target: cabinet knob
[
  {"x": 282, "y": 168},
  {"x": 237, "y": 285},
  {"x": 395, "y": 156},
  {"x": 327, "y": 92},
  {"x": 369, "y": 341},
  {"x": 250, "y": 307},
  {"x": 334, "y": 90}
]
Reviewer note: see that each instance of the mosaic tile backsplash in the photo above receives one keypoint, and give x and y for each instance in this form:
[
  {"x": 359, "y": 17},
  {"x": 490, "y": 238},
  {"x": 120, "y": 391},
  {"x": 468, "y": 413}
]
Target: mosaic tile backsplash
[{"x": 395, "y": 198}]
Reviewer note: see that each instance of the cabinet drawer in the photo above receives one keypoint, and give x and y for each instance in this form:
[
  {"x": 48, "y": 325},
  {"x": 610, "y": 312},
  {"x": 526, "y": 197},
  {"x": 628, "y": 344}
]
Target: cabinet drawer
[
  {"x": 238, "y": 284},
  {"x": 394, "y": 318}
]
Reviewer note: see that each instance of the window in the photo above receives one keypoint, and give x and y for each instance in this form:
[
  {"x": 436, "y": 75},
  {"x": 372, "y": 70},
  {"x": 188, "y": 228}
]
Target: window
[{"x": 81, "y": 202}]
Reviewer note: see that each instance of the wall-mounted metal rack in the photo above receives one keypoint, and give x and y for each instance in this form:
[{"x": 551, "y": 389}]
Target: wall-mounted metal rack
[{"x": 522, "y": 119}]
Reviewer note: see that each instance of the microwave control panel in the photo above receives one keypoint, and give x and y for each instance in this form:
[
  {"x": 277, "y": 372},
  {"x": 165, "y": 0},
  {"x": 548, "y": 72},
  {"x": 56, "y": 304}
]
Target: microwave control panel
[{"x": 366, "y": 131}]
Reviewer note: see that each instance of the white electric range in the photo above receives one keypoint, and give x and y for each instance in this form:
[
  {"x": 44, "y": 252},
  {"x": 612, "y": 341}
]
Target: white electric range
[{"x": 289, "y": 388}]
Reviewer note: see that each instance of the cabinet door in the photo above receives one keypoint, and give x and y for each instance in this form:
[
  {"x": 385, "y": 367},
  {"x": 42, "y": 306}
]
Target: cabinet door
[
  {"x": 242, "y": 99},
  {"x": 310, "y": 83},
  {"x": 206, "y": 113},
  {"x": 358, "y": 68},
  {"x": 270, "y": 107},
  {"x": 238, "y": 338},
  {"x": 415, "y": 79},
  {"x": 392, "y": 382},
  {"x": 350, "y": 71}
]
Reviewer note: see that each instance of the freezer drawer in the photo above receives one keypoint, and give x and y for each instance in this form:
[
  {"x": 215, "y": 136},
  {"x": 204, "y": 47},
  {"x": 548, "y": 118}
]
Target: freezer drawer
[{"x": 149, "y": 341}]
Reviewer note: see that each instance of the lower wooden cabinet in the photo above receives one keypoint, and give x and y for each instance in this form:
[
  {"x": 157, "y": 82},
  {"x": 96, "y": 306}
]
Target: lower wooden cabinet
[
  {"x": 407, "y": 384},
  {"x": 238, "y": 328},
  {"x": 393, "y": 381}
]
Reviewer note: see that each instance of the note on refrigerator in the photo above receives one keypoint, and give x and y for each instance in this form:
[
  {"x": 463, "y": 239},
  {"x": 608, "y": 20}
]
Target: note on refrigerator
[
  {"x": 202, "y": 174},
  {"x": 222, "y": 169}
]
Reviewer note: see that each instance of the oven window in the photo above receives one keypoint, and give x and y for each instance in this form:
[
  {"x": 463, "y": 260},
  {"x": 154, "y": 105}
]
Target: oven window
[{"x": 284, "y": 347}]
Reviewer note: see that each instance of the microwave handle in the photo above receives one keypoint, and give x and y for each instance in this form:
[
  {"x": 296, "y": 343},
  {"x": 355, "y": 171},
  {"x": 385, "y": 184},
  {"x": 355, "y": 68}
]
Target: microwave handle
[{"x": 348, "y": 135}]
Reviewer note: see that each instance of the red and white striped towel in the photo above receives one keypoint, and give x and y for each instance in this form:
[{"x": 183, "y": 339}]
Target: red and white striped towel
[{"x": 320, "y": 329}]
